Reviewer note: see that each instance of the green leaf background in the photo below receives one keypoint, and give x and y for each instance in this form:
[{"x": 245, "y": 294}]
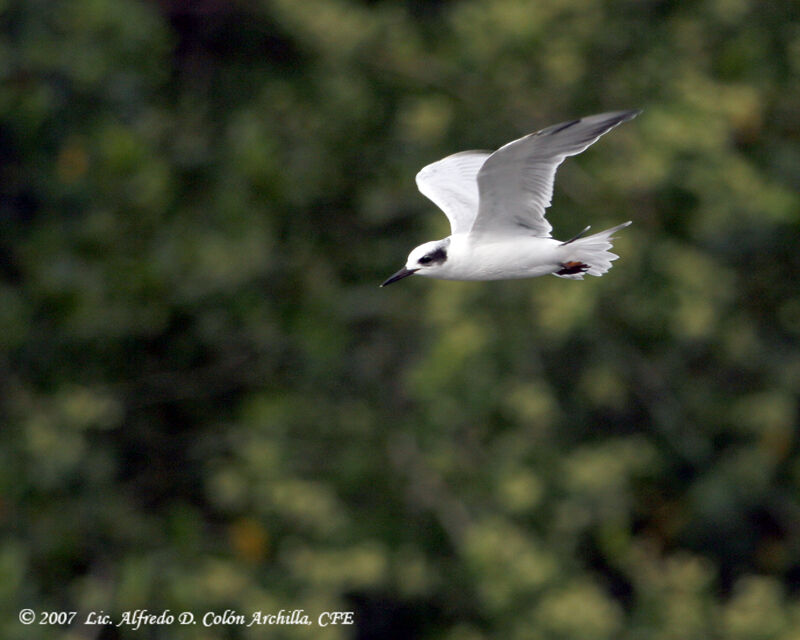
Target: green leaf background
[{"x": 207, "y": 403}]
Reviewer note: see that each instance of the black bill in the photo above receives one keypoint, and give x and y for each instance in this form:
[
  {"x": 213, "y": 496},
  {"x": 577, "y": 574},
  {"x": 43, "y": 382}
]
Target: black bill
[{"x": 403, "y": 273}]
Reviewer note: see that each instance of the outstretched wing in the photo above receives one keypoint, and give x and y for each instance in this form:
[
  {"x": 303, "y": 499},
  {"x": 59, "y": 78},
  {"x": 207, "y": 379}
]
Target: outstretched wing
[
  {"x": 516, "y": 182},
  {"x": 452, "y": 185}
]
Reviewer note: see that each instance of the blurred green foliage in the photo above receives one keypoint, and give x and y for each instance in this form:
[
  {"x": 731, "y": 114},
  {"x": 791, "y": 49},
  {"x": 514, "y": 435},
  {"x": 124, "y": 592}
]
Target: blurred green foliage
[{"x": 208, "y": 403}]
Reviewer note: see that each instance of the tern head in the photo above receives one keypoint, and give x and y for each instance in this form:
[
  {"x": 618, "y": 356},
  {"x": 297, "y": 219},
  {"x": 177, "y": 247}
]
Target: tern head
[{"x": 426, "y": 260}]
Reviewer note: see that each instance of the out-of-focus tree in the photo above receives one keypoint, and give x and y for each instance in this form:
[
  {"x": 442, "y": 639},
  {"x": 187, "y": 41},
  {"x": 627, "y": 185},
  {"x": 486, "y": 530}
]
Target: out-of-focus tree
[{"x": 207, "y": 402}]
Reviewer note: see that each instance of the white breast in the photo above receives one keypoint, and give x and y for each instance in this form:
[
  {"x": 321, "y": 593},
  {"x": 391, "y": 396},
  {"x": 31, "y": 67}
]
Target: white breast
[{"x": 502, "y": 258}]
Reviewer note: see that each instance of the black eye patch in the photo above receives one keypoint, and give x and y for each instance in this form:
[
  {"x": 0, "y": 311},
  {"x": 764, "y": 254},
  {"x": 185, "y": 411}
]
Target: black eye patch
[{"x": 435, "y": 257}]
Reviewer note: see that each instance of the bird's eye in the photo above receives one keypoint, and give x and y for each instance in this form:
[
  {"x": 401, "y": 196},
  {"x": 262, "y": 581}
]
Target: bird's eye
[{"x": 425, "y": 259}]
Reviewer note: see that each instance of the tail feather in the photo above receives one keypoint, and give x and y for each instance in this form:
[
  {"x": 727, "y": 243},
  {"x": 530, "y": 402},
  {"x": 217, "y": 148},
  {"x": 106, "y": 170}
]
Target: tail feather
[{"x": 588, "y": 255}]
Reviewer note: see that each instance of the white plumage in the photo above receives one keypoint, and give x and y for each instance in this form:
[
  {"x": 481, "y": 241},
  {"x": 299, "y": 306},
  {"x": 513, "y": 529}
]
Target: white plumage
[{"x": 496, "y": 203}]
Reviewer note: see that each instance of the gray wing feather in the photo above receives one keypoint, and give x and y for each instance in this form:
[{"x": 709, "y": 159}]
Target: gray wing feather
[
  {"x": 452, "y": 185},
  {"x": 516, "y": 182}
]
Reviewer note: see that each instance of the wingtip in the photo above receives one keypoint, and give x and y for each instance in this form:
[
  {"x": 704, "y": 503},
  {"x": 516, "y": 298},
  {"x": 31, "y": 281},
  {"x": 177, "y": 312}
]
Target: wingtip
[
  {"x": 618, "y": 117},
  {"x": 623, "y": 116},
  {"x": 603, "y": 122}
]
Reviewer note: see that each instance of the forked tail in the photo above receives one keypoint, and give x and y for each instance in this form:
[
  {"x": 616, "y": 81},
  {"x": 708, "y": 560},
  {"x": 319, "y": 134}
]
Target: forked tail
[{"x": 588, "y": 255}]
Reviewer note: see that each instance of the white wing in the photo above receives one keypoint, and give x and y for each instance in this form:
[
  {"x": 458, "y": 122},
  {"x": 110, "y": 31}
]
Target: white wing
[
  {"x": 516, "y": 181},
  {"x": 452, "y": 185}
]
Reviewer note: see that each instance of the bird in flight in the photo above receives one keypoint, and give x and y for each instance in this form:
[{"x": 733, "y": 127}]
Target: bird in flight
[{"x": 496, "y": 201}]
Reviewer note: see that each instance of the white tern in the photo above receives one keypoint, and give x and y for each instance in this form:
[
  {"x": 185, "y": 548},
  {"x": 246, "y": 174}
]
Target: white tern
[{"x": 496, "y": 201}]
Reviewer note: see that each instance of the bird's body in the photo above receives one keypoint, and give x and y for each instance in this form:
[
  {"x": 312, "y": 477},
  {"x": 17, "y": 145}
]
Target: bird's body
[
  {"x": 498, "y": 258},
  {"x": 496, "y": 206}
]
